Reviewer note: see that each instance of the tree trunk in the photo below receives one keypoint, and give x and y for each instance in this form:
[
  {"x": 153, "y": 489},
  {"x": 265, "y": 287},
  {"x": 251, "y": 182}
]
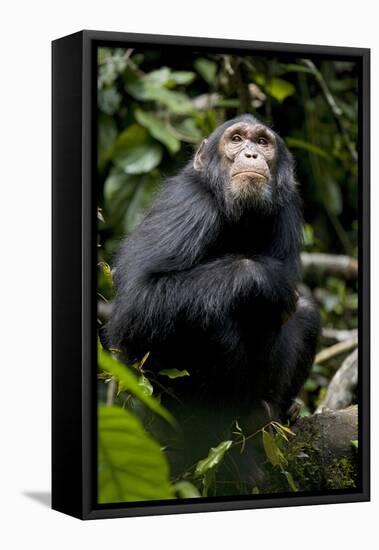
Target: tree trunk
[{"x": 323, "y": 455}]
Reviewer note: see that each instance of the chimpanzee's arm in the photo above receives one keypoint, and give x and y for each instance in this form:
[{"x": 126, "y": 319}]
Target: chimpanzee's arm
[
  {"x": 213, "y": 288},
  {"x": 164, "y": 273},
  {"x": 206, "y": 294}
]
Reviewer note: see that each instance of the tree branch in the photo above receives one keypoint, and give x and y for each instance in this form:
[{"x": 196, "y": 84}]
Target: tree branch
[
  {"x": 336, "y": 110},
  {"x": 316, "y": 265},
  {"x": 341, "y": 388}
]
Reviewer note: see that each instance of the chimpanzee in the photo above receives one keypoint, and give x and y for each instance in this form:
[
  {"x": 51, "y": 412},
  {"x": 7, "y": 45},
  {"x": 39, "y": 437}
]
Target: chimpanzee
[{"x": 207, "y": 283}]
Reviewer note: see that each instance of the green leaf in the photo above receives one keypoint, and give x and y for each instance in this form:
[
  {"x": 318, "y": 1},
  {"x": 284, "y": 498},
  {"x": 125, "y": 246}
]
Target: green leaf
[
  {"x": 119, "y": 189},
  {"x": 140, "y": 160},
  {"x": 131, "y": 465},
  {"x": 290, "y": 481},
  {"x": 174, "y": 373},
  {"x": 333, "y": 196},
  {"x": 159, "y": 77},
  {"x": 140, "y": 200},
  {"x": 214, "y": 458},
  {"x": 354, "y": 443},
  {"x": 133, "y": 136},
  {"x": 294, "y": 68},
  {"x": 107, "y": 136},
  {"x": 111, "y": 63},
  {"x": 129, "y": 382},
  {"x": 273, "y": 453},
  {"x": 158, "y": 129},
  {"x": 310, "y": 147},
  {"x": 164, "y": 77},
  {"x": 145, "y": 384},
  {"x": 310, "y": 385},
  {"x": 185, "y": 489},
  {"x": 207, "y": 69},
  {"x": 330, "y": 301},
  {"x": 106, "y": 270},
  {"x": 114, "y": 185},
  {"x": 188, "y": 129},
  {"x": 150, "y": 88},
  {"x": 308, "y": 235},
  {"x": 183, "y": 77},
  {"x": 282, "y": 428},
  {"x": 136, "y": 87},
  {"x": 128, "y": 196},
  {"x": 277, "y": 88},
  {"x": 176, "y": 102},
  {"x": 109, "y": 100},
  {"x": 140, "y": 87}
]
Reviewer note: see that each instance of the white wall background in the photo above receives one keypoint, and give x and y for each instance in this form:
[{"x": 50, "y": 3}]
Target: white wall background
[{"x": 27, "y": 29}]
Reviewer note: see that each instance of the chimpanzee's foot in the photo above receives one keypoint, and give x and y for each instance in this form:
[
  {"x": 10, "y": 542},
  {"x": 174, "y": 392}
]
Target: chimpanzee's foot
[{"x": 293, "y": 411}]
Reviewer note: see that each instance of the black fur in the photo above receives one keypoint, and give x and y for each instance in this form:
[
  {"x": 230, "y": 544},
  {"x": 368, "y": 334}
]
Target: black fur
[{"x": 205, "y": 283}]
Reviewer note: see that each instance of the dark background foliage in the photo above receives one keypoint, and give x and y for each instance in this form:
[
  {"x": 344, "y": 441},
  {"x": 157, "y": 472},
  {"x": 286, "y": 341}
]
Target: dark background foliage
[{"x": 154, "y": 108}]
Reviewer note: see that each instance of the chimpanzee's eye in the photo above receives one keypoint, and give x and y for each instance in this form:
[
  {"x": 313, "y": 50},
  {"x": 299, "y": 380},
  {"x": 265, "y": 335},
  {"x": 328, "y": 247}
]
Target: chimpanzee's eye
[
  {"x": 262, "y": 141},
  {"x": 236, "y": 138}
]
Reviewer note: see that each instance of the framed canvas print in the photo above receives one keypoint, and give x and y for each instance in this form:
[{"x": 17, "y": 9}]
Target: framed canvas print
[{"x": 210, "y": 274}]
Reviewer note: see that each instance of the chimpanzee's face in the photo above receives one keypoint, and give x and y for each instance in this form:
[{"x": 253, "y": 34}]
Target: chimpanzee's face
[
  {"x": 247, "y": 152},
  {"x": 247, "y": 165}
]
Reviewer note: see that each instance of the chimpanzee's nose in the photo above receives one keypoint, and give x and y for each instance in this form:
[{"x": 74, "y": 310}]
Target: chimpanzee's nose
[{"x": 251, "y": 154}]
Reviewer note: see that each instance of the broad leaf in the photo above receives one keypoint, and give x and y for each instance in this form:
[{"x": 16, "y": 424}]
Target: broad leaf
[
  {"x": 128, "y": 196},
  {"x": 176, "y": 102},
  {"x": 207, "y": 69},
  {"x": 183, "y": 77},
  {"x": 185, "y": 489},
  {"x": 106, "y": 270},
  {"x": 158, "y": 129},
  {"x": 119, "y": 189},
  {"x": 214, "y": 458},
  {"x": 333, "y": 196},
  {"x": 115, "y": 184},
  {"x": 273, "y": 453},
  {"x": 109, "y": 100},
  {"x": 152, "y": 89},
  {"x": 131, "y": 465},
  {"x": 159, "y": 77},
  {"x": 174, "y": 373},
  {"x": 107, "y": 136},
  {"x": 188, "y": 129},
  {"x": 277, "y": 88},
  {"x": 130, "y": 382},
  {"x": 290, "y": 481},
  {"x": 133, "y": 136},
  {"x": 140, "y": 160},
  {"x": 145, "y": 385},
  {"x": 140, "y": 200}
]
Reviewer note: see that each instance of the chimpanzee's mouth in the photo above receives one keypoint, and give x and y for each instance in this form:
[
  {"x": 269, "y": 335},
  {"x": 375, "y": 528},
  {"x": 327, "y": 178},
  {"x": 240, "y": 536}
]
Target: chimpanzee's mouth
[{"x": 251, "y": 173}]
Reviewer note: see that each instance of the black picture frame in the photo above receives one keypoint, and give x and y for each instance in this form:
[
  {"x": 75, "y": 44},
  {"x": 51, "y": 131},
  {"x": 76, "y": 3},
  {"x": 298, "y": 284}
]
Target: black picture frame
[{"x": 74, "y": 291}]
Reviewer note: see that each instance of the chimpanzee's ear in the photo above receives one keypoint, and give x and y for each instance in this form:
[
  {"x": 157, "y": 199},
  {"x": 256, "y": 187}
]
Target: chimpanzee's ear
[
  {"x": 198, "y": 161},
  {"x": 285, "y": 177}
]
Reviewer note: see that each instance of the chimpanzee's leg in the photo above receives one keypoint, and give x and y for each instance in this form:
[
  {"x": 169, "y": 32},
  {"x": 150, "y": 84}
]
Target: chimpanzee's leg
[{"x": 293, "y": 356}]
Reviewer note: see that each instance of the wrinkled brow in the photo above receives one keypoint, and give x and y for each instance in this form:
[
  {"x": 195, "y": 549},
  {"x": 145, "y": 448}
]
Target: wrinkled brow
[{"x": 249, "y": 130}]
